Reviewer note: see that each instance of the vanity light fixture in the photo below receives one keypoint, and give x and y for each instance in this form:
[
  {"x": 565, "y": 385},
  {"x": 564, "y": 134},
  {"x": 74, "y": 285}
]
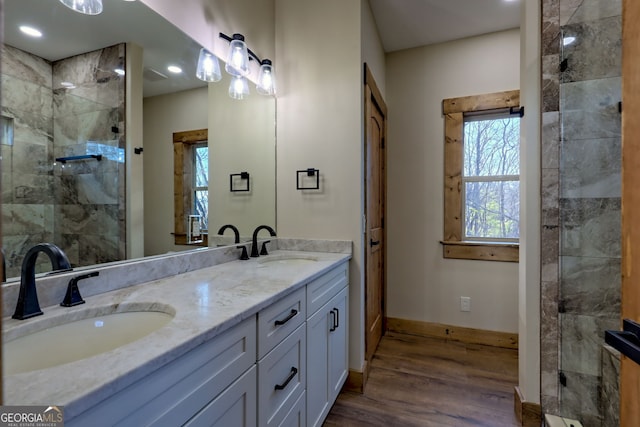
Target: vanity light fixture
[
  {"x": 88, "y": 7},
  {"x": 208, "y": 68},
  {"x": 239, "y": 87},
  {"x": 238, "y": 66},
  {"x": 266, "y": 79},
  {"x": 238, "y": 56}
]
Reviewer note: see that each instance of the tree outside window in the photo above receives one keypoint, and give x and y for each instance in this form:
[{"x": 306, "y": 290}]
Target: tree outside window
[
  {"x": 201, "y": 183},
  {"x": 491, "y": 193}
]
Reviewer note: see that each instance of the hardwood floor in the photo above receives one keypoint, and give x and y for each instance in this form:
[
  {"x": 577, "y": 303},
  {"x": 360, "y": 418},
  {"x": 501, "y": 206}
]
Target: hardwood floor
[{"x": 417, "y": 381}]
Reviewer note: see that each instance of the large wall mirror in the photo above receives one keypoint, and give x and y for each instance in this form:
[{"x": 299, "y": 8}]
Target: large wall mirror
[{"x": 66, "y": 160}]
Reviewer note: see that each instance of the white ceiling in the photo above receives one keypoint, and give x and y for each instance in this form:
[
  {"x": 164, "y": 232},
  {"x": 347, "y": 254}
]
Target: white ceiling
[{"x": 404, "y": 24}]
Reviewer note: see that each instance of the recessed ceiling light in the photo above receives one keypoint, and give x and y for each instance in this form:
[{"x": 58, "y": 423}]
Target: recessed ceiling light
[
  {"x": 120, "y": 71},
  {"x": 30, "y": 31},
  {"x": 566, "y": 41},
  {"x": 174, "y": 69}
]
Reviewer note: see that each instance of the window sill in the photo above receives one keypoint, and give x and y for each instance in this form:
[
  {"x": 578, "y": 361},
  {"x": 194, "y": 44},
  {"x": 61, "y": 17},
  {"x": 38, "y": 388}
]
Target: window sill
[
  {"x": 481, "y": 251},
  {"x": 181, "y": 239}
]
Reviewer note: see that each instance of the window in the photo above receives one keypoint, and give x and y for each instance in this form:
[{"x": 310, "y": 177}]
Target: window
[
  {"x": 190, "y": 181},
  {"x": 481, "y": 182},
  {"x": 201, "y": 182}
]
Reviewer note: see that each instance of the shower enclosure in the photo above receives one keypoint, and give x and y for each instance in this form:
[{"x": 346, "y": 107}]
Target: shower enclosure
[
  {"x": 58, "y": 119},
  {"x": 581, "y": 209}
]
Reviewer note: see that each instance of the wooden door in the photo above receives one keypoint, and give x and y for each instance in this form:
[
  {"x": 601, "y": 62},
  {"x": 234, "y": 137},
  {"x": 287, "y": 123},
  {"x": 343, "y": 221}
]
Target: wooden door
[
  {"x": 375, "y": 127},
  {"x": 629, "y": 370}
]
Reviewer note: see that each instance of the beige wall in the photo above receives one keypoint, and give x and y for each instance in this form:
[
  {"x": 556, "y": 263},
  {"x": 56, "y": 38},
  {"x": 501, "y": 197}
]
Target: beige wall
[
  {"x": 372, "y": 51},
  {"x": 320, "y": 126},
  {"x": 134, "y": 193},
  {"x": 529, "y": 274},
  {"x": 242, "y": 139},
  {"x": 421, "y": 284},
  {"x": 164, "y": 115}
]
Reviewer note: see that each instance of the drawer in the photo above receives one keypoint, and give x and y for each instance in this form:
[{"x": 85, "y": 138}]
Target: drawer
[
  {"x": 281, "y": 378},
  {"x": 279, "y": 320},
  {"x": 236, "y": 406},
  {"x": 322, "y": 289}
]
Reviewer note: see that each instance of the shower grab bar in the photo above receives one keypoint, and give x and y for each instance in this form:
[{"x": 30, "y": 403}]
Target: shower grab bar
[
  {"x": 626, "y": 341},
  {"x": 98, "y": 157}
]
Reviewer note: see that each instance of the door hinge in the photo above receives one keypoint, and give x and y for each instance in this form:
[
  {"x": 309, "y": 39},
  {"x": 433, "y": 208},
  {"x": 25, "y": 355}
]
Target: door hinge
[
  {"x": 382, "y": 142},
  {"x": 561, "y": 306},
  {"x": 382, "y": 222}
]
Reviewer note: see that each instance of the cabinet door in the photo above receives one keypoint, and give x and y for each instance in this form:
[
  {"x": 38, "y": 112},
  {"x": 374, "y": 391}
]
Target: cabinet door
[
  {"x": 234, "y": 407},
  {"x": 338, "y": 344},
  {"x": 327, "y": 357},
  {"x": 318, "y": 395}
]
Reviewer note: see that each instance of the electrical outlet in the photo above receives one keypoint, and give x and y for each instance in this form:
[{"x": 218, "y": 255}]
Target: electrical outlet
[{"x": 465, "y": 303}]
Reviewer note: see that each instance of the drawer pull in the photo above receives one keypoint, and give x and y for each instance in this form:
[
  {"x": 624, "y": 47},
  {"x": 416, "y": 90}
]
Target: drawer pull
[
  {"x": 292, "y": 375},
  {"x": 286, "y": 319}
]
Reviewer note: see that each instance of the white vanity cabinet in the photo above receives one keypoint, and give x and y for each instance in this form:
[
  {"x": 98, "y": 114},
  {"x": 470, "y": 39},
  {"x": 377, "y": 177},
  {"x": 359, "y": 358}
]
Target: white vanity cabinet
[
  {"x": 253, "y": 374},
  {"x": 327, "y": 342}
]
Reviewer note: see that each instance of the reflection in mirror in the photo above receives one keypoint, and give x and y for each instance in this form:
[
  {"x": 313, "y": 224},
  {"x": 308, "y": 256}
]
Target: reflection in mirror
[{"x": 63, "y": 95}]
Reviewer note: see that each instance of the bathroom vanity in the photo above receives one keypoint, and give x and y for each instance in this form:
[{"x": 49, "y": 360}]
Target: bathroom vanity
[{"x": 262, "y": 342}]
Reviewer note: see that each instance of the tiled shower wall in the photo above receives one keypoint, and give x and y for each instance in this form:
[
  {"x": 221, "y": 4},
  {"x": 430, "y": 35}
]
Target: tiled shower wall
[
  {"x": 581, "y": 208},
  {"x": 78, "y": 205}
]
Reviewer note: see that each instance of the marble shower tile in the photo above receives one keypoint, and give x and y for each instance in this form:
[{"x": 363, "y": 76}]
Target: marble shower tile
[
  {"x": 596, "y": 53},
  {"x": 24, "y": 66},
  {"x": 549, "y": 338},
  {"x": 579, "y": 399},
  {"x": 610, "y": 388},
  {"x": 86, "y": 219},
  {"x": 550, "y": 140},
  {"x": 592, "y": 168},
  {"x": 550, "y": 83},
  {"x": 591, "y": 95},
  {"x": 550, "y": 27},
  {"x": 550, "y": 252},
  {"x": 590, "y": 227},
  {"x": 582, "y": 338},
  {"x": 568, "y": 9},
  {"x": 591, "y": 286},
  {"x": 31, "y": 188},
  {"x": 550, "y": 196},
  {"x": 21, "y": 95},
  {"x": 604, "y": 123},
  {"x": 589, "y": 10}
]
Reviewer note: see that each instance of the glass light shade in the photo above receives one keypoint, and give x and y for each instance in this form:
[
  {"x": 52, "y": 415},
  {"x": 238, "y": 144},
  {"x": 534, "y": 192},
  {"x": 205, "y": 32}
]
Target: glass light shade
[
  {"x": 88, "y": 7},
  {"x": 238, "y": 57},
  {"x": 266, "y": 79},
  {"x": 208, "y": 68},
  {"x": 239, "y": 87}
]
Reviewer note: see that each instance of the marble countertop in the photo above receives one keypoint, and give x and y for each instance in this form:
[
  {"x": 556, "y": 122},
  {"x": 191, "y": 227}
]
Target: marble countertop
[{"x": 207, "y": 302}]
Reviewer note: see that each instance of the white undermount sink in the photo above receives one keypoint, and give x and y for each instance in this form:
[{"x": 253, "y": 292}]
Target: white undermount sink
[
  {"x": 287, "y": 259},
  {"x": 78, "y": 339}
]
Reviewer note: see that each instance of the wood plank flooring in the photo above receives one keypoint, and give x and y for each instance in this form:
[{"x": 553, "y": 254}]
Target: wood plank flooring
[{"x": 418, "y": 381}]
